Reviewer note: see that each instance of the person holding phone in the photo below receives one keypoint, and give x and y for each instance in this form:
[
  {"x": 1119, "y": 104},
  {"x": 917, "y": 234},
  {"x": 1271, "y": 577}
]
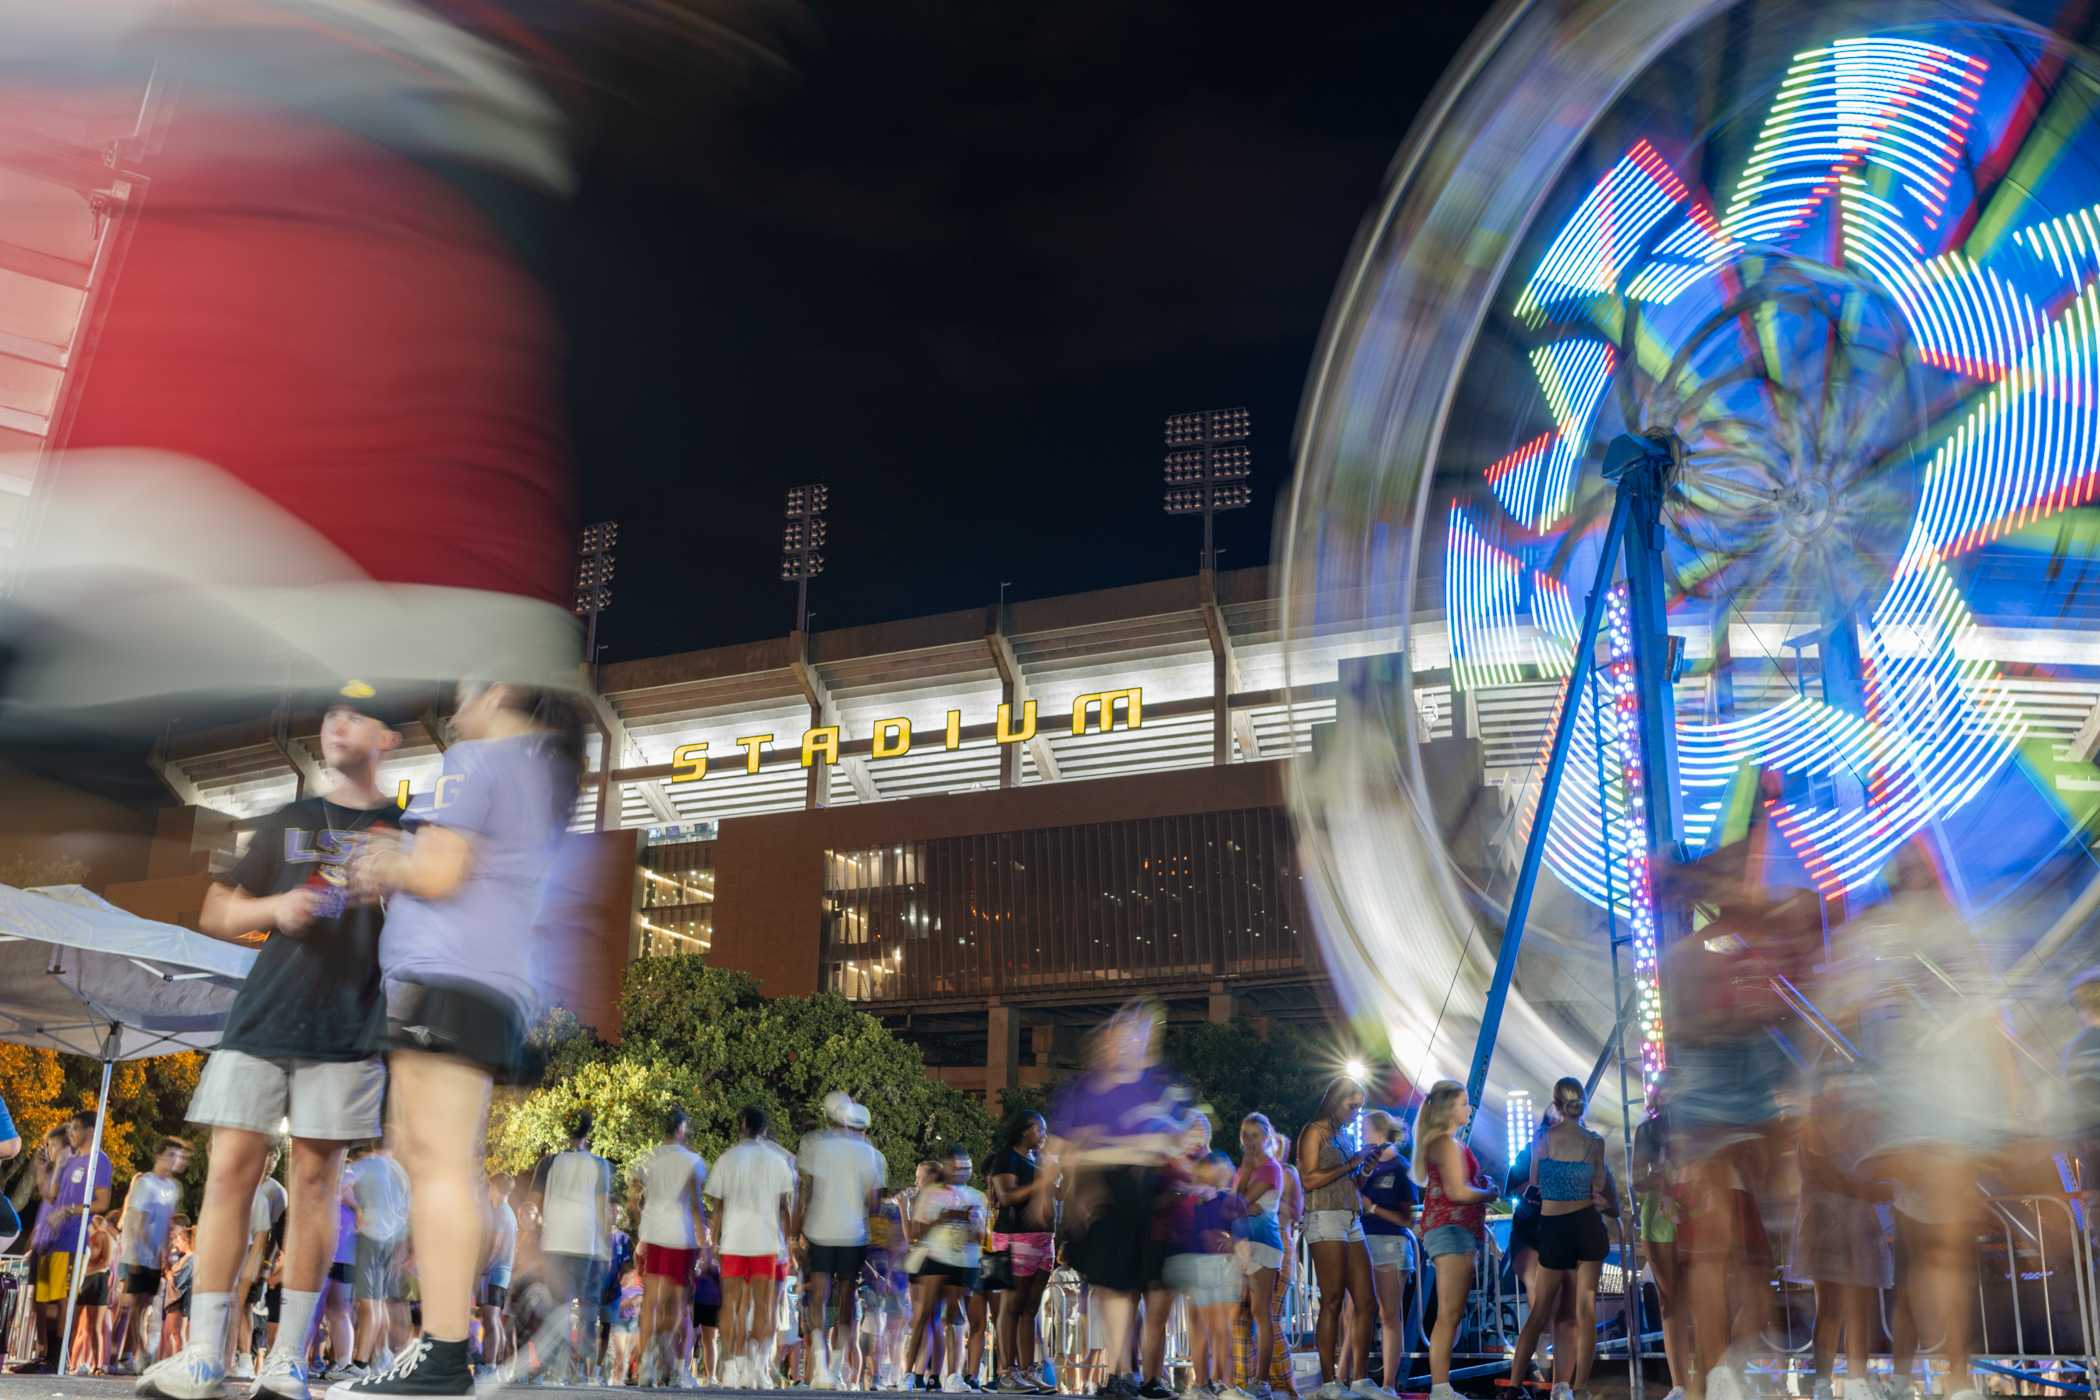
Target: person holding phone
[{"x": 1335, "y": 1231}]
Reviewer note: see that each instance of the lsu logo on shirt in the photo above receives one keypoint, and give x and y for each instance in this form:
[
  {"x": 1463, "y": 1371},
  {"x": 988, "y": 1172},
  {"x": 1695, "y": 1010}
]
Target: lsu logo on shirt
[{"x": 329, "y": 852}]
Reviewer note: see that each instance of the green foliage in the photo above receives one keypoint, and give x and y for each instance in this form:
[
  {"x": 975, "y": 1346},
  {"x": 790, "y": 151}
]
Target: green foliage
[
  {"x": 1234, "y": 1070},
  {"x": 704, "y": 1040},
  {"x": 565, "y": 1044}
]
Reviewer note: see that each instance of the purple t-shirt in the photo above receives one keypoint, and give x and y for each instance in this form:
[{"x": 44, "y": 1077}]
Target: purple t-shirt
[
  {"x": 500, "y": 794},
  {"x": 1138, "y": 1119},
  {"x": 73, "y": 1190},
  {"x": 1203, "y": 1221}
]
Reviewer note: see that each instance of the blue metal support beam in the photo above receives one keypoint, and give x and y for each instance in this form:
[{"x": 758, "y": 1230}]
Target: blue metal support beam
[{"x": 1585, "y": 661}]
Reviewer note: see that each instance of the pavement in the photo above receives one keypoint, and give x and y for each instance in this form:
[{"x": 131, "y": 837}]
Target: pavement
[{"x": 14, "y": 1387}]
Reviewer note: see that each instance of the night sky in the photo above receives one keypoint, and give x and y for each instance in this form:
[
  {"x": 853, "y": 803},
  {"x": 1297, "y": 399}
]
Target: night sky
[{"x": 958, "y": 261}]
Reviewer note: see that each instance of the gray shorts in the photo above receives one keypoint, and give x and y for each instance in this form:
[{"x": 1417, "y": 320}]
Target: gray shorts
[
  {"x": 377, "y": 1277},
  {"x": 326, "y": 1100}
]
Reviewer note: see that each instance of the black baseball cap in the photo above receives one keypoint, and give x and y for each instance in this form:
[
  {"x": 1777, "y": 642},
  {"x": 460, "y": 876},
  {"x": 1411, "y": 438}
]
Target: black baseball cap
[{"x": 373, "y": 700}]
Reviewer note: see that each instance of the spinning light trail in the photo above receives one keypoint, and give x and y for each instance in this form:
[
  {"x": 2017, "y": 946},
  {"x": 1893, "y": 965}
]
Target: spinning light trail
[{"x": 1860, "y": 161}]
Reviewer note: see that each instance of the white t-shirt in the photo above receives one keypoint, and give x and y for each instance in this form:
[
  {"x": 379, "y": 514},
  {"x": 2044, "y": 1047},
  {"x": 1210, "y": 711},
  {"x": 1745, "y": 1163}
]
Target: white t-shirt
[
  {"x": 380, "y": 1186},
  {"x": 751, "y": 1180},
  {"x": 574, "y": 1188},
  {"x": 268, "y": 1208},
  {"x": 843, "y": 1168},
  {"x": 673, "y": 1177},
  {"x": 149, "y": 1208},
  {"x": 503, "y": 1251},
  {"x": 951, "y": 1242}
]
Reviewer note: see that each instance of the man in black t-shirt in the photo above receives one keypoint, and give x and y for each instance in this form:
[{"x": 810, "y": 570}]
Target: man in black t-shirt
[{"x": 301, "y": 1044}]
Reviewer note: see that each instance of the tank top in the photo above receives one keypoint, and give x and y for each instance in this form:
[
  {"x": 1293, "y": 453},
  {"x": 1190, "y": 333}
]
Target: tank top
[
  {"x": 1260, "y": 1225},
  {"x": 1564, "y": 1181},
  {"x": 1338, "y": 1194},
  {"x": 1439, "y": 1209}
]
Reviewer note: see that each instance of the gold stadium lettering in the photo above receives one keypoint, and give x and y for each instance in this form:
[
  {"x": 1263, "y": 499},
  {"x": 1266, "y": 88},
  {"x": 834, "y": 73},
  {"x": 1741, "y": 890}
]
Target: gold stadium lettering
[{"x": 1103, "y": 711}]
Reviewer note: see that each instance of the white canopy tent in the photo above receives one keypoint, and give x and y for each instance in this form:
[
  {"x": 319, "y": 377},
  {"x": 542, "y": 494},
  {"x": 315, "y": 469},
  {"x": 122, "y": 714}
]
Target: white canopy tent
[{"x": 81, "y": 976}]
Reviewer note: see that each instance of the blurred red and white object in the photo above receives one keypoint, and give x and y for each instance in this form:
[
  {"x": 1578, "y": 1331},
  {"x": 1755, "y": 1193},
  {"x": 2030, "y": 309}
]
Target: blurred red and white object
[{"x": 280, "y": 393}]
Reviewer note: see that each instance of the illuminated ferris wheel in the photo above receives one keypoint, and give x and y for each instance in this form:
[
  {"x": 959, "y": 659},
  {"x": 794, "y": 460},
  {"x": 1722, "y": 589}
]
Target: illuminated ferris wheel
[{"x": 1714, "y": 410}]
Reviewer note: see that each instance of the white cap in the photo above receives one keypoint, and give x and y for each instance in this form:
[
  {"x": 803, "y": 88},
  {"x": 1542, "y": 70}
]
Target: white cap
[{"x": 840, "y": 1108}]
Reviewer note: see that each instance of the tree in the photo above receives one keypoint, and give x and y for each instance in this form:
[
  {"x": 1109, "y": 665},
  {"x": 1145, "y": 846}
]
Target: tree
[
  {"x": 704, "y": 1040},
  {"x": 1236, "y": 1069},
  {"x": 1232, "y": 1070}
]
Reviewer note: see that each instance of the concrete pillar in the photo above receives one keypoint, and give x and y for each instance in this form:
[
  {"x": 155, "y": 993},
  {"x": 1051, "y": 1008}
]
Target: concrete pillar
[
  {"x": 1002, "y": 1053},
  {"x": 1221, "y": 1004}
]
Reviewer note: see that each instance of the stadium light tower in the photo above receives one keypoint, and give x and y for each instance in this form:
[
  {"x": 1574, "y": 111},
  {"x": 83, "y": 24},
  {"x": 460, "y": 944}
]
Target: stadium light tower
[
  {"x": 1208, "y": 459},
  {"x": 594, "y": 576},
  {"x": 802, "y": 544}
]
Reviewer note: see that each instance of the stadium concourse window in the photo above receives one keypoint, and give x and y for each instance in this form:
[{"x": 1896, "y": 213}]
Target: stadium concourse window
[
  {"x": 678, "y": 893},
  {"x": 1139, "y": 902}
]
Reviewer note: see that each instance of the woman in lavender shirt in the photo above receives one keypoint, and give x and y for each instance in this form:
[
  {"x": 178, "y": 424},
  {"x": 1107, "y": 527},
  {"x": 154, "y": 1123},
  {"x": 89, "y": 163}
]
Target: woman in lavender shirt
[
  {"x": 1112, "y": 1129},
  {"x": 457, "y": 958}
]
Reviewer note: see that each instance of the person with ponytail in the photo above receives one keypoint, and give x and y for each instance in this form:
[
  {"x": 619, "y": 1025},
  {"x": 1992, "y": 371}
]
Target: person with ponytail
[{"x": 464, "y": 898}]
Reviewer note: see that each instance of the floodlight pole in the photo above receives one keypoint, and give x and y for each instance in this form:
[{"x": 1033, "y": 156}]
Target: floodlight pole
[{"x": 1642, "y": 467}]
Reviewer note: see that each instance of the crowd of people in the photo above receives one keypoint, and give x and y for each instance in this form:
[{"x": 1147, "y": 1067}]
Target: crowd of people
[
  {"x": 1058, "y": 1268},
  {"x": 763, "y": 1269},
  {"x": 379, "y": 1257}
]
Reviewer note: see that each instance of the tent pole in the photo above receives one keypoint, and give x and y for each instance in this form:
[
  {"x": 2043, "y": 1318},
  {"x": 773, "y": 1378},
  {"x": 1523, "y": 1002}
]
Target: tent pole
[{"x": 87, "y": 1205}]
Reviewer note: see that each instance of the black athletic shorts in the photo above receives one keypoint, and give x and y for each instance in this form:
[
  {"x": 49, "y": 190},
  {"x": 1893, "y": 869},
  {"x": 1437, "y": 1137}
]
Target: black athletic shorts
[
  {"x": 273, "y": 1301},
  {"x": 94, "y": 1290},
  {"x": 1115, "y": 1248},
  {"x": 139, "y": 1280},
  {"x": 462, "y": 1019},
  {"x": 961, "y": 1277},
  {"x": 1568, "y": 1240},
  {"x": 707, "y": 1314},
  {"x": 837, "y": 1260},
  {"x": 344, "y": 1272}
]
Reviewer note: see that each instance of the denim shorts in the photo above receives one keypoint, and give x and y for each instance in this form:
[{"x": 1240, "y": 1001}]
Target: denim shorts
[
  {"x": 1333, "y": 1227},
  {"x": 1449, "y": 1239},
  {"x": 1207, "y": 1280},
  {"x": 1391, "y": 1252}
]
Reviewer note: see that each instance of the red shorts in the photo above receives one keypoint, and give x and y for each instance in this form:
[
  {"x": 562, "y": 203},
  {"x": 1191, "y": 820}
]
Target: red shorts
[
  {"x": 666, "y": 1261},
  {"x": 770, "y": 1266}
]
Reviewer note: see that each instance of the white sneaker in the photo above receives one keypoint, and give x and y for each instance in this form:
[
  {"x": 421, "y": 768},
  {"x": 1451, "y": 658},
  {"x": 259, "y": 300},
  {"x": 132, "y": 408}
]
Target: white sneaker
[
  {"x": 1563, "y": 1391},
  {"x": 283, "y": 1376},
  {"x": 243, "y": 1367},
  {"x": 1331, "y": 1391},
  {"x": 1823, "y": 1390},
  {"x": 1367, "y": 1389},
  {"x": 1445, "y": 1392},
  {"x": 187, "y": 1375},
  {"x": 1726, "y": 1383},
  {"x": 820, "y": 1372},
  {"x": 953, "y": 1383},
  {"x": 1676, "y": 1393}
]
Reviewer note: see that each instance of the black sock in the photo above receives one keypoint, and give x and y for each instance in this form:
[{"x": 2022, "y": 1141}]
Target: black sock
[{"x": 448, "y": 1356}]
